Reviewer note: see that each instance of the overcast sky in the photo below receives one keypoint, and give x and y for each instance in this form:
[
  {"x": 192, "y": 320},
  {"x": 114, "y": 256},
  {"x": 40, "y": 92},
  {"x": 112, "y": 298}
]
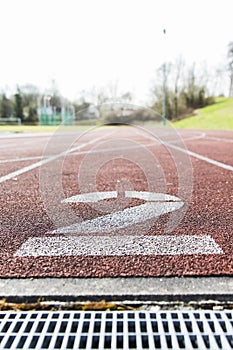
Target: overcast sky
[{"x": 82, "y": 44}]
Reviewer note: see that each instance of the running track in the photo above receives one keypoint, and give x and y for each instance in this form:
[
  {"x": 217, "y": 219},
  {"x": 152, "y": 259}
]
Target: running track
[{"x": 45, "y": 234}]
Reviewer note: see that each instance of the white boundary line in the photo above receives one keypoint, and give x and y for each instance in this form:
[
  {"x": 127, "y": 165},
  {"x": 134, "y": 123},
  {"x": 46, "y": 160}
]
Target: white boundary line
[
  {"x": 44, "y": 161},
  {"x": 197, "y": 137},
  {"x": 200, "y": 157},
  {"x": 26, "y": 169},
  {"x": 219, "y": 139},
  {"x": 2, "y": 161},
  {"x": 119, "y": 245},
  {"x": 201, "y": 135},
  {"x": 4, "y": 146},
  {"x": 193, "y": 154},
  {"x": 118, "y": 148}
]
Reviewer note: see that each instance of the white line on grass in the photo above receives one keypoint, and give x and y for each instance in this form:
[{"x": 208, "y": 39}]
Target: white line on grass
[{"x": 119, "y": 245}]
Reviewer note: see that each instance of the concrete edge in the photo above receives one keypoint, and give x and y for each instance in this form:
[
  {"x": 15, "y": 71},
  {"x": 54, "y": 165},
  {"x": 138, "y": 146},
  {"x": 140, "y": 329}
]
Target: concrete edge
[{"x": 118, "y": 289}]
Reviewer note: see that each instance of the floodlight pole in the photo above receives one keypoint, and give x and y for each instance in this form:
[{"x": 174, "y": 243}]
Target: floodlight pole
[
  {"x": 164, "y": 88},
  {"x": 39, "y": 111},
  {"x": 73, "y": 112}
]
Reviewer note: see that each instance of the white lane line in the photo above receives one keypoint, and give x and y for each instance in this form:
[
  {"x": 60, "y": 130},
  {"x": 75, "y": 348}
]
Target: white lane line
[
  {"x": 24, "y": 135},
  {"x": 78, "y": 153},
  {"x": 178, "y": 138},
  {"x": 199, "y": 156},
  {"x": 193, "y": 154},
  {"x": 191, "y": 138},
  {"x": 2, "y": 161},
  {"x": 26, "y": 169},
  {"x": 118, "y": 148},
  {"x": 10, "y": 145},
  {"x": 44, "y": 161},
  {"x": 121, "y": 219},
  {"x": 119, "y": 245},
  {"x": 218, "y": 139}
]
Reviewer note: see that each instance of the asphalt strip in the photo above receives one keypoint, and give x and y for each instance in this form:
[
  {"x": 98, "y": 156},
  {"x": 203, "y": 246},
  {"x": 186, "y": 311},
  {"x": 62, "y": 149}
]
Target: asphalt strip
[{"x": 118, "y": 289}]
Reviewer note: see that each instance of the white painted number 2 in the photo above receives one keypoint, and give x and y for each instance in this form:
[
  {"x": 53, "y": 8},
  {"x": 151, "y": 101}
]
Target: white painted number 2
[
  {"x": 156, "y": 205},
  {"x": 89, "y": 237}
]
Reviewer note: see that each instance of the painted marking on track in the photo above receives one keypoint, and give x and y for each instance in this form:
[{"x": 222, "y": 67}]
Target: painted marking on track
[
  {"x": 118, "y": 148},
  {"x": 193, "y": 154},
  {"x": 201, "y": 135},
  {"x": 121, "y": 219},
  {"x": 19, "y": 159},
  {"x": 119, "y": 245},
  {"x": 85, "y": 244},
  {"x": 97, "y": 196},
  {"x": 218, "y": 139},
  {"x": 44, "y": 161},
  {"x": 158, "y": 204},
  {"x": 4, "y": 146},
  {"x": 191, "y": 138},
  {"x": 200, "y": 157}
]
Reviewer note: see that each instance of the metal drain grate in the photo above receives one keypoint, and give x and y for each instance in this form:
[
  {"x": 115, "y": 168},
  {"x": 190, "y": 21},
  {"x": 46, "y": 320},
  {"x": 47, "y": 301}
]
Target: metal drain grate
[{"x": 117, "y": 330}]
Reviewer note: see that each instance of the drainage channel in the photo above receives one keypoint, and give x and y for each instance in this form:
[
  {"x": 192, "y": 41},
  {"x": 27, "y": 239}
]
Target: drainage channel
[{"x": 187, "y": 329}]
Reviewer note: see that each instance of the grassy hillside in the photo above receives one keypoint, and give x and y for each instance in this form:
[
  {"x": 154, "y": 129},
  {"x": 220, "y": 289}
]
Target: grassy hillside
[{"x": 217, "y": 116}]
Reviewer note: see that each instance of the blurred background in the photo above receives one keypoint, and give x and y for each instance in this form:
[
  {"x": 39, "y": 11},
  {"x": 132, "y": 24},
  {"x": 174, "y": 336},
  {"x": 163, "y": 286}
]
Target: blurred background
[{"x": 61, "y": 60}]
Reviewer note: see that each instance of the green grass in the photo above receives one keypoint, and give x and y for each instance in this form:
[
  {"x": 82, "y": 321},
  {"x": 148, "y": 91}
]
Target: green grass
[
  {"x": 218, "y": 116},
  {"x": 41, "y": 128},
  {"x": 26, "y": 128}
]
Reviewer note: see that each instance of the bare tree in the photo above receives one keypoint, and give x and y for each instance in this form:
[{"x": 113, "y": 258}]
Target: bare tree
[
  {"x": 178, "y": 68},
  {"x": 230, "y": 67},
  {"x": 112, "y": 89},
  {"x": 218, "y": 81},
  {"x": 186, "y": 89}
]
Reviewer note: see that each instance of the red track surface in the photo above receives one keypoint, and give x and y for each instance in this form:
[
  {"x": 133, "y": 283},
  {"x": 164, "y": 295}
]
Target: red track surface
[{"x": 209, "y": 211}]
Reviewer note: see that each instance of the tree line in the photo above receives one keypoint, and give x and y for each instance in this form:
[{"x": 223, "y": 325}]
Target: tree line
[
  {"x": 188, "y": 87},
  {"x": 184, "y": 87},
  {"x": 22, "y": 104}
]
